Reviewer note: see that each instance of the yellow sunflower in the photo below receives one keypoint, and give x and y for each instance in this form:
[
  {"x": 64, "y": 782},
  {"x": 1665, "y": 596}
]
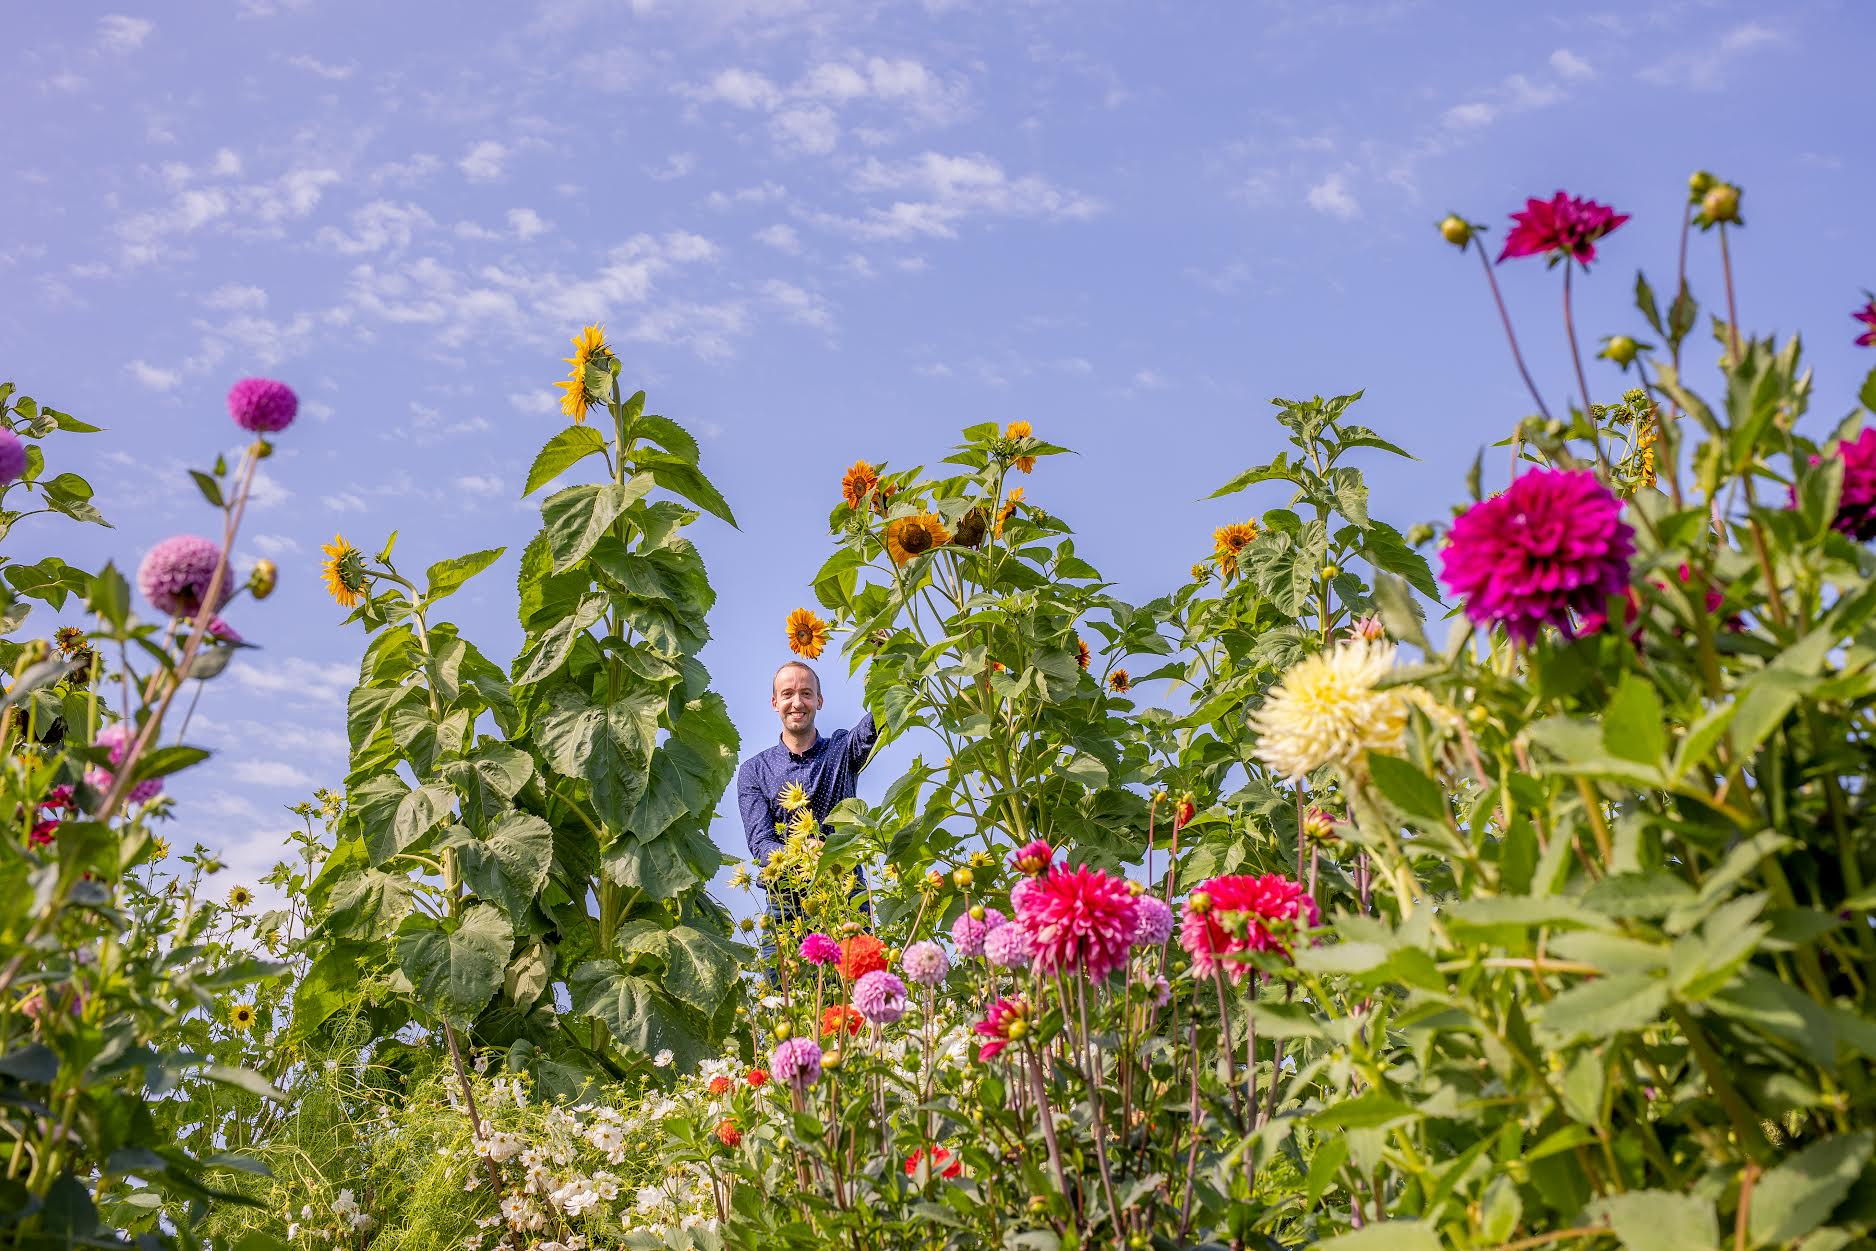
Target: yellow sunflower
[
  {"x": 1119, "y": 682},
  {"x": 1008, "y": 510},
  {"x": 1020, "y": 430},
  {"x": 807, "y": 633},
  {"x": 793, "y": 798},
  {"x": 1227, "y": 542},
  {"x": 241, "y": 1016},
  {"x": 859, "y": 479},
  {"x": 1081, "y": 652},
  {"x": 159, "y": 848},
  {"x": 239, "y": 897},
  {"x": 345, "y": 572},
  {"x": 907, "y": 537},
  {"x": 588, "y": 345},
  {"x": 803, "y": 824}
]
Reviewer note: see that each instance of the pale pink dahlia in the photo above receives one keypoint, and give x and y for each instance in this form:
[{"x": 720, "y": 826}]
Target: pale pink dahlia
[
  {"x": 1023, "y": 889},
  {"x": 12, "y": 456},
  {"x": 262, "y": 405},
  {"x": 879, "y": 997},
  {"x": 926, "y": 963},
  {"x": 796, "y": 1062},
  {"x": 819, "y": 949},
  {"x": 1081, "y": 919},
  {"x": 117, "y": 738},
  {"x": 1554, "y": 543},
  {"x": 968, "y": 933},
  {"x": 1008, "y": 946},
  {"x": 1239, "y": 913},
  {"x": 174, "y": 576}
]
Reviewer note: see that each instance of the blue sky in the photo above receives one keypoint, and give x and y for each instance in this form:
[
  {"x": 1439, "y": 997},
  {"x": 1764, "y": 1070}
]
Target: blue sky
[{"x": 821, "y": 231}]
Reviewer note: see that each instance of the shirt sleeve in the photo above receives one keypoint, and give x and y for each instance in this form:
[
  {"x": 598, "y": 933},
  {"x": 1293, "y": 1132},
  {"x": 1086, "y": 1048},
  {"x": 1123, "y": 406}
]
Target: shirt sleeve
[
  {"x": 758, "y": 828},
  {"x": 860, "y": 742}
]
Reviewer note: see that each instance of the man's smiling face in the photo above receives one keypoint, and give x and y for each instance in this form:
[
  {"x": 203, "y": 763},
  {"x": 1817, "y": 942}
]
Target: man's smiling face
[{"x": 797, "y": 697}]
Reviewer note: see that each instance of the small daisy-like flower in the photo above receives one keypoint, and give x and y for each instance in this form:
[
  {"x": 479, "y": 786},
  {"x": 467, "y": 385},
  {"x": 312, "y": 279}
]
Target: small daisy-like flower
[
  {"x": 589, "y": 346},
  {"x": 345, "y": 572},
  {"x": 159, "y": 848},
  {"x": 793, "y": 797},
  {"x": 241, "y": 1016},
  {"x": 239, "y": 897},
  {"x": 803, "y": 823},
  {"x": 807, "y": 634},
  {"x": 1227, "y": 542},
  {"x": 1020, "y": 430},
  {"x": 262, "y": 405},
  {"x": 1201, "y": 573},
  {"x": 1327, "y": 710},
  {"x": 907, "y": 537},
  {"x": 1119, "y": 682}
]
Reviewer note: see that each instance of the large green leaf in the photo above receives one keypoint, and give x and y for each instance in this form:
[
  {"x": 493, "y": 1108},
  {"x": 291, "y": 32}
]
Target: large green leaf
[
  {"x": 561, "y": 453},
  {"x": 700, "y": 967},
  {"x": 418, "y": 812},
  {"x": 609, "y": 745},
  {"x": 1388, "y": 1236},
  {"x": 575, "y": 518},
  {"x": 686, "y": 481},
  {"x": 508, "y": 863},
  {"x": 1795, "y": 1197},
  {"x": 447, "y": 576},
  {"x": 491, "y": 776},
  {"x": 366, "y": 904},
  {"x": 1387, "y": 550},
  {"x": 1602, "y": 1008},
  {"x": 549, "y": 650},
  {"x": 692, "y": 769},
  {"x": 1657, "y": 1220},
  {"x": 659, "y": 867},
  {"x": 455, "y": 967},
  {"x": 633, "y": 1009}
]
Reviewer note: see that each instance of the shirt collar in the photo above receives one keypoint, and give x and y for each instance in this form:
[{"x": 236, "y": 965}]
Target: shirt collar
[{"x": 814, "y": 748}]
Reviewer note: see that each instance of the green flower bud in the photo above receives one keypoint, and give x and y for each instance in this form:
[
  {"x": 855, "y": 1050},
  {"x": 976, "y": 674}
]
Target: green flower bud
[
  {"x": 1720, "y": 204},
  {"x": 1698, "y": 184},
  {"x": 1456, "y": 230}
]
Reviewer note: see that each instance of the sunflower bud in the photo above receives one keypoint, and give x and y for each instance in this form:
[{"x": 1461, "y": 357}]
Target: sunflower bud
[
  {"x": 971, "y": 527},
  {"x": 1619, "y": 348},
  {"x": 1720, "y": 204},
  {"x": 1038, "y": 1203},
  {"x": 961, "y": 879},
  {"x": 261, "y": 581},
  {"x": 747, "y": 925},
  {"x": 1419, "y": 533},
  {"x": 1698, "y": 184},
  {"x": 1456, "y": 230}
]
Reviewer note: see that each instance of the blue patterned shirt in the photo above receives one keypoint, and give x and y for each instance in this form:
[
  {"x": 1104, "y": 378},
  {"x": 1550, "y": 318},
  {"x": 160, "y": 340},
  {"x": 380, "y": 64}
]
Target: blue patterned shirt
[{"x": 828, "y": 771}]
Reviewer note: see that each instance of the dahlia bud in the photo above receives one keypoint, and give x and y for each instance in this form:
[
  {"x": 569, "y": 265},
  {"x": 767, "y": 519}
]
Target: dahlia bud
[
  {"x": 1418, "y": 533},
  {"x": 961, "y": 878},
  {"x": 1017, "y": 1030},
  {"x": 1038, "y": 1203},
  {"x": 934, "y": 880},
  {"x": 1135, "y": 887},
  {"x": 262, "y": 449},
  {"x": 782, "y": 1030},
  {"x": 1200, "y": 903},
  {"x": 261, "y": 581},
  {"x": 977, "y": 912},
  {"x": 1456, "y": 230},
  {"x": 1698, "y": 184},
  {"x": 892, "y": 955},
  {"x": 1330, "y": 572},
  {"x": 1619, "y": 348},
  {"x": 1183, "y": 814},
  {"x": 1318, "y": 826},
  {"x": 830, "y": 1060},
  {"x": 1720, "y": 204}
]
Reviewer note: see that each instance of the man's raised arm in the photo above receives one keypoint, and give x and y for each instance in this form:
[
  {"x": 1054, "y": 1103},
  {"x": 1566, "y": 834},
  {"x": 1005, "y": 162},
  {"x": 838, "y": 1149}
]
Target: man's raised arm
[
  {"x": 758, "y": 830},
  {"x": 860, "y": 742}
]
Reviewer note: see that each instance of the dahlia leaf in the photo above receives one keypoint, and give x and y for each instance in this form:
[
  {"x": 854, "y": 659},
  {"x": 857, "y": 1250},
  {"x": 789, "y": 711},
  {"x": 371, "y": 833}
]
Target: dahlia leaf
[
  {"x": 1645, "y": 301},
  {"x": 446, "y": 577},
  {"x": 1384, "y": 548},
  {"x": 1408, "y": 789},
  {"x": 1369, "y": 1110},
  {"x": 1795, "y": 1197},
  {"x": 1657, "y": 1220},
  {"x": 1604, "y": 1008},
  {"x": 1631, "y": 723},
  {"x": 560, "y": 453},
  {"x": 109, "y": 596}
]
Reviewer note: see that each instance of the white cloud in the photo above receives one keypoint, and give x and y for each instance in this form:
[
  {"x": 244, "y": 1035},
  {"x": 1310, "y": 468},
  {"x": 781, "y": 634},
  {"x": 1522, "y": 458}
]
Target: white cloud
[
  {"x": 270, "y": 773},
  {"x": 479, "y": 484},
  {"x": 483, "y": 162},
  {"x": 333, "y": 73},
  {"x": 345, "y": 502},
  {"x": 233, "y": 297},
  {"x": 1569, "y": 65},
  {"x": 677, "y": 165},
  {"x": 1704, "y": 69},
  {"x": 763, "y": 194},
  {"x": 258, "y": 209},
  {"x": 227, "y": 163},
  {"x": 540, "y": 403},
  {"x": 315, "y": 683},
  {"x": 953, "y": 188},
  {"x": 810, "y": 129},
  {"x": 798, "y": 305},
  {"x": 266, "y": 491},
  {"x": 152, "y": 377},
  {"x": 526, "y": 223},
  {"x": 276, "y": 544},
  {"x": 117, "y": 33},
  {"x": 781, "y": 237},
  {"x": 377, "y": 226},
  {"x": 1331, "y": 196},
  {"x": 745, "y": 89},
  {"x": 1470, "y": 116},
  {"x": 1148, "y": 380}
]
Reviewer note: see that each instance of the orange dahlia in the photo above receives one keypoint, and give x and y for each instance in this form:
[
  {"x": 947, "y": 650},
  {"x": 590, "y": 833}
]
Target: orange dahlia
[
  {"x": 1020, "y": 430},
  {"x": 807, "y": 633},
  {"x": 860, "y": 955},
  {"x": 1227, "y": 542},
  {"x": 907, "y": 537},
  {"x": 857, "y": 482}
]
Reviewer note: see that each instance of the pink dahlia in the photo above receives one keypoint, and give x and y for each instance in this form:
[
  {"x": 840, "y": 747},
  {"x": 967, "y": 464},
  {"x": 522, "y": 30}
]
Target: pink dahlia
[
  {"x": 222, "y": 632},
  {"x": 1005, "y": 1023},
  {"x": 262, "y": 405},
  {"x": 1023, "y": 889},
  {"x": 44, "y": 833},
  {"x": 116, "y": 737},
  {"x": 12, "y": 456},
  {"x": 1155, "y": 921},
  {"x": 968, "y": 933},
  {"x": 796, "y": 1062},
  {"x": 174, "y": 576},
  {"x": 879, "y": 997},
  {"x": 819, "y": 949},
  {"x": 1867, "y": 315},
  {"x": 1554, "y": 543},
  {"x": 1856, "y": 507},
  {"x": 1264, "y": 908},
  {"x": 1033, "y": 859},
  {"x": 926, "y": 963},
  {"x": 1008, "y": 946},
  {"x": 1080, "y": 918},
  {"x": 1563, "y": 228}
]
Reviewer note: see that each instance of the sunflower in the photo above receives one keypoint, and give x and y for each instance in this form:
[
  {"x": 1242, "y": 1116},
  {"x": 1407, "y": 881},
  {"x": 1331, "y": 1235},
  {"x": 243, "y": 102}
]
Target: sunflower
[
  {"x": 70, "y": 640},
  {"x": 907, "y": 537},
  {"x": 970, "y": 532},
  {"x": 588, "y": 345},
  {"x": 1081, "y": 652},
  {"x": 345, "y": 572},
  {"x": 793, "y": 798},
  {"x": 1009, "y": 509},
  {"x": 803, "y": 823},
  {"x": 1227, "y": 542},
  {"x": 1200, "y": 573},
  {"x": 1020, "y": 430},
  {"x": 239, "y": 897},
  {"x": 859, "y": 479},
  {"x": 1119, "y": 682},
  {"x": 159, "y": 848},
  {"x": 807, "y": 633},
  {"x": 241, "y": 1016}
]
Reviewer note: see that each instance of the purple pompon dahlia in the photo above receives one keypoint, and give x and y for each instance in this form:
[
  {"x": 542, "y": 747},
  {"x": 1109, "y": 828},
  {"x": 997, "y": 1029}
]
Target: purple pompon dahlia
[
  {"x": 1563, "y": 228},
  {"x": 262, "y": 405},
  {"x": 1008, "y": 946},
  {"x": 968, "y": 933},
  {"x": 174, "y": 576},
  {"x": 12, "y": 456},
  {"x": 1155, "y": 921},
  {"x": 1856, "y": 507},
  {"x": 1554, "y": 543},
  {"x": 796, "y": 1062},
  {"x": 879, "y": 997}
]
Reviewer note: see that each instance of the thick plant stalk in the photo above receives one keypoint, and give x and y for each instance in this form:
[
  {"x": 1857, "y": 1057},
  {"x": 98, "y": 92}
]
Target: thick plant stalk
[
  {"x": 1097, "y": 1123},
  {"x": 477, "y": 1126},
  {"x": 1511, "y": 336},
  {"x": 1047, "y": 1116}
]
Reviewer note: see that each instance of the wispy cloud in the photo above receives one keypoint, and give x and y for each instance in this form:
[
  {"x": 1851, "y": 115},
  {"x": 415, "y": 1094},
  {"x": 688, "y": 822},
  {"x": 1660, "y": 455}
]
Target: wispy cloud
[
  {"x": 941, "y": 192},
  {"x": 312, "y": 65},
  {"x": 1332, "y": 198},
  {"x": 120, "y": 34},
  {"x": 1706, "y": 67},
  {"x": 152, "y": 377},
  {"x": 484, "y": 161}
]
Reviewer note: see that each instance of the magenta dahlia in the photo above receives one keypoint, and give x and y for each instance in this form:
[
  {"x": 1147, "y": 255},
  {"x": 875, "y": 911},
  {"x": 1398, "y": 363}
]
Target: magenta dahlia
[
  {"x": 879, "y": 997},
  {"x": 1229, "y": 915},
  {"x": 1081, "y": 919},
  {"x": 12, "y": 456},
  {"x": 1005, "y": 1023},
  {"x": 819, "y": 949},
  {"x": 1033, "y": 859},
  {"x": 174, "y": 576},
  {"x": 1856, "y": 507},
  {"x": 262, "y": 405},
  {"x": 1563, "y": 228},
  {"x": 1554, "y": 543},
  {"x": 1867, "y": 315}
]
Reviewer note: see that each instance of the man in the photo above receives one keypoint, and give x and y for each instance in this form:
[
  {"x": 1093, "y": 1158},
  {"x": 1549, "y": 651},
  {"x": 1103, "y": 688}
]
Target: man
[{"x": 826, "y": 768}]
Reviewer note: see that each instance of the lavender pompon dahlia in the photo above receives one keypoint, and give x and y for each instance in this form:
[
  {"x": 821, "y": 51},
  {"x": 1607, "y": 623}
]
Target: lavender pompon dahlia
[
  {"x": 12, "y": 456},
  {"x": 117, "y": 737},
  {"x": 262, "y": 405},
  {"x": 968, "y": 933},
  {"x": 925, "y": 963},
  {"x": 1856, "y": 507},
  {"x": 1008, "y": 946},
  {"x": 1554, "y": 543},
  {"x": 1155, "y": 921},
  {"x": 174, "y": 576},
  {"x": 796, "y": 1062},
  {"x": 879, "y": 997}
]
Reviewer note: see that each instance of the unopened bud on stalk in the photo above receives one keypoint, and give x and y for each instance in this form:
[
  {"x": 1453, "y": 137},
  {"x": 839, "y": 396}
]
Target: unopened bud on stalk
[
  {"x": 262, "y": 449},
  {"x": 1330, "y": 573},
  {"x": 1721, "y": 204},
  {"x": 1419, "y": 532},
  {"x": 261, "y": 580},
  {"x": 977, "y": 912},
  {"x": 1621, "y": 349},
  {"x": 1698, "y": 184},
  {"x": 1478, "y": 715},
  {"x": 1017, "y": 1030},
  {"x": 961, "y": 878},
  {"x": 1200, "y": 903},
  {"x": 748, "y": 925},
  {"x": 1456, "y": 230},
  {"x": 782, "y": 1030},
  {"x": 830, "y": 1060}
]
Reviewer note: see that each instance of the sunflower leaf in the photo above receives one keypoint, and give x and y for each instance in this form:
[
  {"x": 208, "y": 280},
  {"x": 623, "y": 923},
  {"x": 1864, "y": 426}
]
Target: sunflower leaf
[
  {"x": 574, "y": 519},
  {"x": 560, "y": 453}
]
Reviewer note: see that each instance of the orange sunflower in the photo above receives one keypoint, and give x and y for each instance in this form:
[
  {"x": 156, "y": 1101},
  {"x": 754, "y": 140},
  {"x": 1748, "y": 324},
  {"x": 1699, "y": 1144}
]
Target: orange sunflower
[
  {"x": 1081, "y": 652},
  {"x": 1008, "y": 510},
  {"x": 1119, "y": 682},
  {"x": 1227, "y": 542},
  {"x": 807, "y": 634},
  {"x": 1020, "y": 430},
  {"x": 859, "y": 479},
  {"x": 907, "y": 537},
  {"x": 589, "y": 346}
]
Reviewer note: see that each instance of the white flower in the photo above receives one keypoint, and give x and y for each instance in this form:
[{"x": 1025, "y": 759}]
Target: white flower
[
  {"x": 1326, "y": 710},
  {"x": 364, "y": 1222},
  {"x": 650, "y": 1198},
  {"x": 293, "y": 1230},
  {"x": 482, "y": 1063},
  {"x": 306, "y": 1212},
  {"x": 663, "y": 1058},
  {"x": 345, "y": 1206},
  {"x": 514, "y": 1207},
  {"x": 606, "y": 1186}
]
